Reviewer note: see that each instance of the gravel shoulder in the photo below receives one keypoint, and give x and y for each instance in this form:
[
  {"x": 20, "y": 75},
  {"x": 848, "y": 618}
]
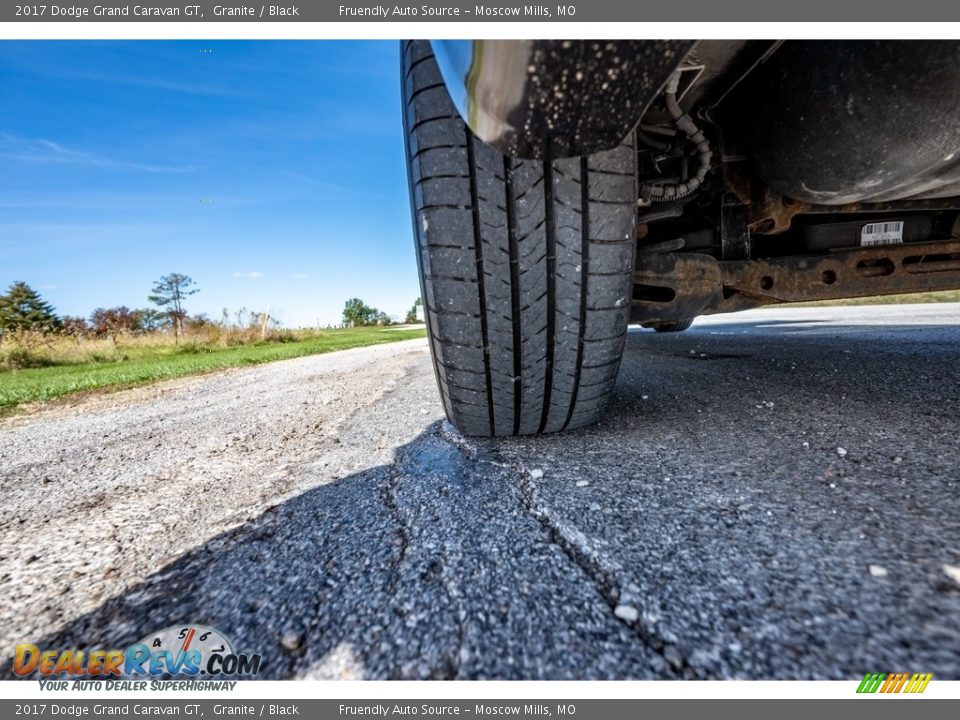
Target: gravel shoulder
[{"x": 106, "y": 490}]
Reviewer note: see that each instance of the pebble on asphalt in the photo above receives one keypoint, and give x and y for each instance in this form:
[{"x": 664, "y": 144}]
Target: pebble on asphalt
[
  {"x": 952, "y": 572},
  {"x": 292, "y": 640},
  {"x": 878, "y": 571},
  {"x": 627, "y": 613}
]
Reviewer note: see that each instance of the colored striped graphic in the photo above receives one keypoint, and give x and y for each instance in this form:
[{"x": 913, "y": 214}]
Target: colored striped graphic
[{"x": 895, "y": 682}]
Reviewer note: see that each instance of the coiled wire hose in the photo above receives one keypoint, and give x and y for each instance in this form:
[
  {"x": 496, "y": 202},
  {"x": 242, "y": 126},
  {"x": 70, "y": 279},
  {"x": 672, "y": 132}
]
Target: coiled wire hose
[{"x": 670, "y": 191}]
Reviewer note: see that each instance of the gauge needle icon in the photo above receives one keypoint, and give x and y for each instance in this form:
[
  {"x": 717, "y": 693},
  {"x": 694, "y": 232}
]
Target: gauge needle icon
[{"x": 187, "y": 639}]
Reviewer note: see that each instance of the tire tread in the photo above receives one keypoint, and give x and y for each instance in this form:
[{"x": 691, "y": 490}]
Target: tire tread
[{"x": 526, "y": 267}]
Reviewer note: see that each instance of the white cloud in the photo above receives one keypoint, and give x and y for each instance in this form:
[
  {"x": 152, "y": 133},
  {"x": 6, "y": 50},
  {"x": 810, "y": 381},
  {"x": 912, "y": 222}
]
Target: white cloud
[
  {"x": 255, "y": 274},
  {"x": 41, "y": 150}
]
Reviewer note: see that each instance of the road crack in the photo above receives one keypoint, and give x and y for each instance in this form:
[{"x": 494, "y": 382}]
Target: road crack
[
  {"x": 433, "y": 567},
  {"x": 402, "y": 532},
  {"x": 603, "y": 574}
]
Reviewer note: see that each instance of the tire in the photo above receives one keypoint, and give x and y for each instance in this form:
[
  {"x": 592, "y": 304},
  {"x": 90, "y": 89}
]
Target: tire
[
  {"x": 678, "y": 326},
  {"x": 526, "y": 267}
]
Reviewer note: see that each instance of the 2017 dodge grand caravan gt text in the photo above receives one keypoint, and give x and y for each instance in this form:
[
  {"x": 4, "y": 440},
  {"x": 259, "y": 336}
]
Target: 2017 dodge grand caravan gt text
[{"x": 561, "y": 190}]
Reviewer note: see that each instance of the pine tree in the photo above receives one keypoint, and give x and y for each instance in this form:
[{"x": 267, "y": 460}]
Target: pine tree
[
  {"x": 169, "y": 292},
  {"x": 22, "y": 308}
]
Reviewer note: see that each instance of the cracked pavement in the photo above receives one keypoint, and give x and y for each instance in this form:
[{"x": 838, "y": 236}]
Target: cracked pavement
[{"x": 770, "y": 495}]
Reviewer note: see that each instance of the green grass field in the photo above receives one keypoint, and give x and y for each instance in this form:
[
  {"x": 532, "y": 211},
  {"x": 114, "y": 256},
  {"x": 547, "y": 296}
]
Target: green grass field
[
  {"x": 144, "y": 363},
  {"x": 939, "y": 296}
]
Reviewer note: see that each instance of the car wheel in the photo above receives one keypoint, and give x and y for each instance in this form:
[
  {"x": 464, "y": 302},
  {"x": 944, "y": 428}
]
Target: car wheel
[{"x": 525, "y": 265}]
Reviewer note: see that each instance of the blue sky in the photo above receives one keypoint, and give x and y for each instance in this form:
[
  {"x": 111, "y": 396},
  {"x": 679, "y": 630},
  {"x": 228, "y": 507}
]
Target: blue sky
[{"x": 270, "y": 172}]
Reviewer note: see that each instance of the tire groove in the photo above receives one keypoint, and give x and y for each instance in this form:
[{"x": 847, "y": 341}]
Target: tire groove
[
  {"x": 451, "y": 278},
  {"x": 422, "y": 121},
  {"x": 424, "y": 178},
  {"x": 446, "y": 146},
  {"x": 514, "y": 293},
  {"x": 478, "y": 248},
  {"x": 584, "y": 276},
  {"x": 416, "y": 62},
  {"x": 418, "y": 91}
]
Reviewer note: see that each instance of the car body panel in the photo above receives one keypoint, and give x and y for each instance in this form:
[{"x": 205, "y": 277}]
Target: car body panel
[{"x": 530, "y": 98}]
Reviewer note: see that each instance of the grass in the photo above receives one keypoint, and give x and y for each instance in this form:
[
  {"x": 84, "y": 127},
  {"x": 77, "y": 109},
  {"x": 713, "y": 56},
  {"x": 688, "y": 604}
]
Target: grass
[
  {"x": 939, "y": 296},
  {"x": 64, "y": 369}
]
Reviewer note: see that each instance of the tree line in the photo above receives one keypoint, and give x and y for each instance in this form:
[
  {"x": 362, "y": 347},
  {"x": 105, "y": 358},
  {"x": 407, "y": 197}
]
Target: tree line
[
  {"x": 357, "y": 313},
  {"x": 22, "y": 309}
]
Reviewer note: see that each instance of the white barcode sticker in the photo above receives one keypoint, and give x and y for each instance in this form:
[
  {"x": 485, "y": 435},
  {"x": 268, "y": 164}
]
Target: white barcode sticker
[{"x": 887, "y": 233}]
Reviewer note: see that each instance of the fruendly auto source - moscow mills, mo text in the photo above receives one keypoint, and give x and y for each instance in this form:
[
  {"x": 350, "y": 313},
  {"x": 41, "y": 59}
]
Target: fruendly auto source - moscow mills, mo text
[{"x": 486, "y": 11}]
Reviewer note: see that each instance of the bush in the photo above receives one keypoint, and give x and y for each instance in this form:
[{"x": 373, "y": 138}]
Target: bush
[
  {"x": 97, "y": 357},
  {"x": 21, "y": 358},
  {"x": 282, "y": 336}
]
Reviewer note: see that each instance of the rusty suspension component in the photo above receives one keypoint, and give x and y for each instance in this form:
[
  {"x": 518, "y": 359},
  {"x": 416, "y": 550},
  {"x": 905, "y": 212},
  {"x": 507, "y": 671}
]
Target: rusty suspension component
[{"x": 671, "y": 286}]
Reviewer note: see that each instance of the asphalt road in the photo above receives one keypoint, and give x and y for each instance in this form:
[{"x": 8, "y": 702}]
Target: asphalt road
[{"x": 770, "y": 495}]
